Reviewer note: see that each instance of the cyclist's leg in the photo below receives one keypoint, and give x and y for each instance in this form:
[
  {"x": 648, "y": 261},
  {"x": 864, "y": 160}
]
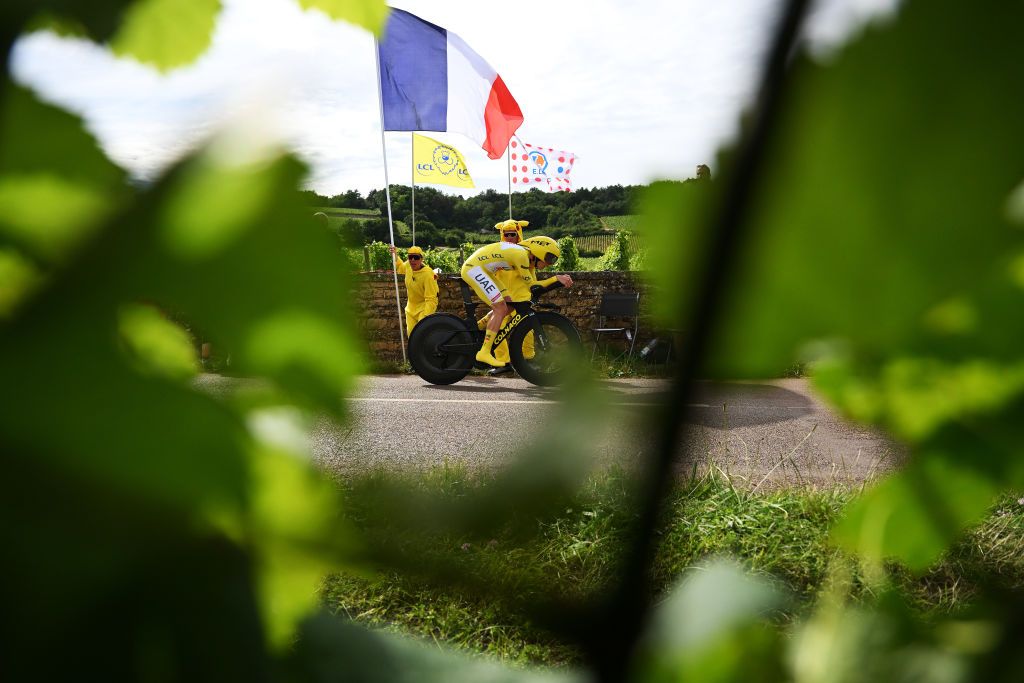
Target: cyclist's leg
[
  {"x": 501, "y": 353},
  {"x": 520, "y": 292},
  {"x": 489, "y": 292}
]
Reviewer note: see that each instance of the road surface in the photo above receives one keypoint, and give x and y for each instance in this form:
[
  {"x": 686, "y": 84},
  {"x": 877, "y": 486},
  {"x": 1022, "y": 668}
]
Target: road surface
[{"x": 760, "y": 433}]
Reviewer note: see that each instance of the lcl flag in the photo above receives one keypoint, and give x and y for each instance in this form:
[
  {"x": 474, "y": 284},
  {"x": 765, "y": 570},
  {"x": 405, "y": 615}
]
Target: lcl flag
[
  {"x": 430, "y": 80},
  {"x": 541, "y": 167}
]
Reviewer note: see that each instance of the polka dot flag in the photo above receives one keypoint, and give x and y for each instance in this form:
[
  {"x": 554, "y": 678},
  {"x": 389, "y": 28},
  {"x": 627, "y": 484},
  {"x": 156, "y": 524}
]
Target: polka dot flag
[{"x": 541, "y": 167}]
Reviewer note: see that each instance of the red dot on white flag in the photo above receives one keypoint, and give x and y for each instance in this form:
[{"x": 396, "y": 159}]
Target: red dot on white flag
[
  {"x": 514, "y": 144},
  {"x": 515, "y": 180}
]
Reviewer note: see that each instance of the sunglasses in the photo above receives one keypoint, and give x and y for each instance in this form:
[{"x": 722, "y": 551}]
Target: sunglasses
[
  {"x": 511, "y": 234},
  {"x": 414, "y": 257}
]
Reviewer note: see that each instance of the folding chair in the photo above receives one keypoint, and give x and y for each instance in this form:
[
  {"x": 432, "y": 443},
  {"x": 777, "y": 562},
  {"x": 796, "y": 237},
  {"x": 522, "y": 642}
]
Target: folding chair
[{"x": 619, "y": 306}]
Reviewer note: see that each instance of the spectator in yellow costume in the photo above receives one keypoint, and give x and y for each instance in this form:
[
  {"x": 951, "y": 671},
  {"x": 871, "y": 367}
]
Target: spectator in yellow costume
[{"x": 420, "y": 286}]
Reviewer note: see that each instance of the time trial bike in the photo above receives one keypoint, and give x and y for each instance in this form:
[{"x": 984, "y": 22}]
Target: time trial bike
[{"x": 542, "y": 343}]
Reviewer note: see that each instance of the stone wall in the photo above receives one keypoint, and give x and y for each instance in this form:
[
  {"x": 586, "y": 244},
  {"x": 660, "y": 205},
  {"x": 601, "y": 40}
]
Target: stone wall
[{"x": 374, "y": 301}]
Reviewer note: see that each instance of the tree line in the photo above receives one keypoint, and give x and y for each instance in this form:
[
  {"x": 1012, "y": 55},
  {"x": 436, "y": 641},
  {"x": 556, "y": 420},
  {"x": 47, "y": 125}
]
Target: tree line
[{"x": 443, "y": 219}]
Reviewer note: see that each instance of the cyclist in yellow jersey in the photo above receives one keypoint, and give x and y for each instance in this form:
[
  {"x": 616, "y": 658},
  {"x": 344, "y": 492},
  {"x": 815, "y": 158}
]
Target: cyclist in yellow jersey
[
  {"x": 420, "y": 286},
  {"x": 512, "y": 231},
  {"x": 508, "y": 231},
  {"x": 479, "y": 272},
  {"x": 518, "y": 267}
]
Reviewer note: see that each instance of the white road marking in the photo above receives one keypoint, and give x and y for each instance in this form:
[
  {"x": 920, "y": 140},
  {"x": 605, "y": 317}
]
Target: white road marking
[{"x": 438, "y": 400}]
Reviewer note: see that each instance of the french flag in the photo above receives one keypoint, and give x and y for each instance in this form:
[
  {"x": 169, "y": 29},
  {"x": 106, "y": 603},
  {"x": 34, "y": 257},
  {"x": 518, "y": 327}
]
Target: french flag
[{"x": 430, "y": 80}]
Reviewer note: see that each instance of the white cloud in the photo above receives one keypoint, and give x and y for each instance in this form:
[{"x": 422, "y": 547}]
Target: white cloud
[{"x": 637, "y": 92}]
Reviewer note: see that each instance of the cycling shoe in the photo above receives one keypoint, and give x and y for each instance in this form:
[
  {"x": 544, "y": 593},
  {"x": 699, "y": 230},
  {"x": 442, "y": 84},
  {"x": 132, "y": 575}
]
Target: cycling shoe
[{"x": 485, "y": 357}]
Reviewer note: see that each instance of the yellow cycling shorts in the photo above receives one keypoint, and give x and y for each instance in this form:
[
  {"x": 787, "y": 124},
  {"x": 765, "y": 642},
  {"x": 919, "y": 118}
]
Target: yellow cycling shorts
[{"x": 483, "y": 284}]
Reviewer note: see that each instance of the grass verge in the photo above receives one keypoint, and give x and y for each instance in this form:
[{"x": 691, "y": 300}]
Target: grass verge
[{"x": 480, "y": 602}]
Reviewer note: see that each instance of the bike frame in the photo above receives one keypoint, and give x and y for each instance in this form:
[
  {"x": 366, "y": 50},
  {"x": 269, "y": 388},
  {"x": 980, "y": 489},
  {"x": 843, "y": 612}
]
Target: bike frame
[{"x": 522, "y": 310}]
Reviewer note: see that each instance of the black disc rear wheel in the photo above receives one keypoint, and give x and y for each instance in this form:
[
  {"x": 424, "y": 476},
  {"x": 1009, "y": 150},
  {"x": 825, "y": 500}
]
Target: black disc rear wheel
[
  {"x": 545, "y": 362},
  {"x": 441, "y": 349}
]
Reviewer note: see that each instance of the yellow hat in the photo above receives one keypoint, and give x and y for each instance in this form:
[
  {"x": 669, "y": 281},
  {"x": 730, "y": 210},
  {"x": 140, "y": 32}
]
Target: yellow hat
[
  {"x": 415, "y": 250},
  {"x": 511, "y": 225}
]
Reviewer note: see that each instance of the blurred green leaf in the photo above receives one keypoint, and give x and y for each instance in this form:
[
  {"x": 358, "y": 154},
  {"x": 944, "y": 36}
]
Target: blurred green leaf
[
  {"x": 70, "y": 331},
  {"x": 198, "y": 223},
  {"x": 674, "y": 215},
  {"x": 304, "y": 352},
  {"x": 330, "y": 649},
  {"x": 265, "y": 281},
  {"x": 883, "y": 241},
  {"x": 47, "y": 214},
  {"x": 708, "y": 603},
  {"x": 884, "y": 199},
  {"x": 913, "y": 397},
  {"x": 158, "y": 345},
  {"x": 370, "y": 14},
  {"x": 295, "y": 524},
  {"x": 845, "y": 644},
  {"x": 712, "y": 627},
  {"x": 166, "y": 33},
  {"x": 56, "y": 185},
  {"x": 18, "y": 277},
  {"x": 39, "y": 140},
  {"x": 915, "y": 515}
]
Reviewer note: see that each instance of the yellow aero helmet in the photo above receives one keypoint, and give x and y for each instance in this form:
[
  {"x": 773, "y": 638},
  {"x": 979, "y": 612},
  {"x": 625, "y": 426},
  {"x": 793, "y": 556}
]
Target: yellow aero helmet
[{"x": 543, "y": 249}]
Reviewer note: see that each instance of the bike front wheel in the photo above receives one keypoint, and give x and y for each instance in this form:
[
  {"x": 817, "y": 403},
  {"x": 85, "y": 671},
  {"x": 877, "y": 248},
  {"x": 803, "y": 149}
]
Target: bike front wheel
[
  {"x": 545, "y": 358},
  {"x": 442, "y": 349}
]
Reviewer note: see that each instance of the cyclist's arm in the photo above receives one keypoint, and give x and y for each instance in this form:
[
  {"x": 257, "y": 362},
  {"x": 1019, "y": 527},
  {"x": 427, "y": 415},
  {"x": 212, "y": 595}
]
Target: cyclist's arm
[{"x": 546, "y": 283}]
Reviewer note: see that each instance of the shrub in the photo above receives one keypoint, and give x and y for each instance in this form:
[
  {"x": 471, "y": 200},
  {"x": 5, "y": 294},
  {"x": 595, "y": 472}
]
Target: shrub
[
  {"x": 354, "y": 258},
  {"x": 380, "y": 256},
  {"x": 445, "y": 259},
  {"x": 617, "y": 255},
  {"x": 639, "y": 260},
  {"x": 570, "y": 259}
]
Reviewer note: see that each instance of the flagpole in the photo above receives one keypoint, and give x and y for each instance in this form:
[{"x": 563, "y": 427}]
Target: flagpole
[
  {"x": 387, "y": 194},
  {"x": 508, "y": 165},
  {"x": 412, "y": 152}
]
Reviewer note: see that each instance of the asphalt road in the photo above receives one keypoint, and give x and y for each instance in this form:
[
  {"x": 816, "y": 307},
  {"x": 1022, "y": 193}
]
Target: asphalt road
[{"x": 760, "y": 433}]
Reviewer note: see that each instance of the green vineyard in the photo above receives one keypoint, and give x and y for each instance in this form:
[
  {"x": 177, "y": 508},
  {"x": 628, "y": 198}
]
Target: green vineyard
[{"x": 592, "y": 244}]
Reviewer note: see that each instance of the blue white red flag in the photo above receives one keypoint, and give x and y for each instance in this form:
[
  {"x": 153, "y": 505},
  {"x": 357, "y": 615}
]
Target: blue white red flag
[{"x": 430, "y": 80}]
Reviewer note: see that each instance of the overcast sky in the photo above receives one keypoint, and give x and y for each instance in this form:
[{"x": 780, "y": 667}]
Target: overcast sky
[{"x": 638, "y": 92}]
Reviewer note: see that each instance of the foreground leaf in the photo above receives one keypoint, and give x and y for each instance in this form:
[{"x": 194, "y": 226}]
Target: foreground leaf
[
  {"x": 166, "y": 33},
  {"x": 370, "y": 14}
]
